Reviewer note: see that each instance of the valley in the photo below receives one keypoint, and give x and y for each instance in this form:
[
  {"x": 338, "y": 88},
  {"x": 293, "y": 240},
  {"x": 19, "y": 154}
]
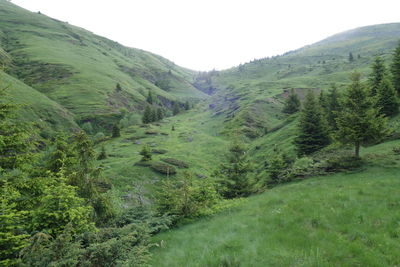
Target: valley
[{"x": 215, "y": 176}]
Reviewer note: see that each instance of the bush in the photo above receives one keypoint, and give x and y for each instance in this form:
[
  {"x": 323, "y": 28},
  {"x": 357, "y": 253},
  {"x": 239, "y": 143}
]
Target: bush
[
  {"x": 342, "y": 162},
  {"x": 187, "y": 197},
  {"x": 302, "y": 167},
  {"x": 87, "y": 127},
  {"x": 99, "y": 137},
  {"x": 145, "y": 152},
  {"x": 125, "y": 246},
  {"x": 396, "y": 150},
  {"x": 151, "y": 132},
  {"x": 176, "y": 162},
  {"x": 163, "y": 168},
  {"x": 159, "y": 151}
]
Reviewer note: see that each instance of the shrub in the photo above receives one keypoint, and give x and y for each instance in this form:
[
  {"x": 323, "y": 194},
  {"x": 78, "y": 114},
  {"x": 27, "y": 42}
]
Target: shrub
[
  {"x": 99, "y": 137},
  {"x": 159, "y": 151},
  {"x": 303, "y": 167},
  {"x": 87, "y": 127},
  {"x": 176, "y": 162},
  {"x": 145, "y": 153},
  {"x": 150, "y": 132},
  {"x": 277, "y": 165},
  {"x": 163, "y": 168},
  {"x": 342, "y": 162},
  {"x": 187, "y": 197},
  {"x": 103, "y": 154}
]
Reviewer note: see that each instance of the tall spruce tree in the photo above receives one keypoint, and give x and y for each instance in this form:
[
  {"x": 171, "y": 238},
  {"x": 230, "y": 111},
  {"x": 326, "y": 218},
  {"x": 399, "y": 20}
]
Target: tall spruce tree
[
  {"x": 187, "y": 105},
  {"x": 175, "y": 108},
  {"x": 359, "y": 121},
  {"x": 386, "y": 99},
  {"x": 15, "y": 144},
  {"x": 153, "y": 114},
  {"x": 13, "y": 236},
  {"x": 87, "y": 179},
  {"x": 62, "y": 157},
  {"x": 150, "y": 98},
  {"x": 292, "y": 103},
  {"x": 323, "y": 100},
  {"x": 116, "y": 132},
  {"x": 235, "y": 173},
  {"x": 377, "y": 75},
  {"x": 159, "y": 114},
  {"x": 351, "y": 57},
  {"x": 147, "y": 116},
  {"x": 332, "y": 107},
  {"x": 395, "y": 69},
  {"x": 312, "y": 128}
]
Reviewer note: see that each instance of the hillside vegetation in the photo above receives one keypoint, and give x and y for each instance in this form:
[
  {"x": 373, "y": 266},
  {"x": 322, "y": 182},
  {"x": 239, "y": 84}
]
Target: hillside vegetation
[
  {"x": 114, "y": 156},
  {"x": 80, "y": 70}
]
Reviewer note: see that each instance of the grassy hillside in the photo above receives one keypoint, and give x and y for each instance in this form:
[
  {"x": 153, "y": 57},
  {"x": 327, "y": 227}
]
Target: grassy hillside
[
  {"x": 248, "y": 99},
  {"x": 80, "y": 70},
  {"x": 259, "y": 87},
  {"x": 35, "y": 107},
  {"x": 344, "y": 219},
  {"x": 195, "y": 140}
]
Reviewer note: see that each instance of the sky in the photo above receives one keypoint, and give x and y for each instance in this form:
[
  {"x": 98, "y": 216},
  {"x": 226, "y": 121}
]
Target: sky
[{"x": 217, "y": 34}]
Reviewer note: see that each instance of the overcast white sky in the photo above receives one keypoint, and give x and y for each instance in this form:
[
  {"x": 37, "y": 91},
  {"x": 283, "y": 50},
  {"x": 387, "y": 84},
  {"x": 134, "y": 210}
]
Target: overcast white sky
[{"x": 207, "y": 34}]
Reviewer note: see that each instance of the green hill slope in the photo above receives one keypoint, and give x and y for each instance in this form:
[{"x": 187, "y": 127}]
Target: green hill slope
[
  {"x": 258, "y": 87},
  {"x": 342, "y": 219},
  {"x": 35, "y": 107},
  {"x": 80, "y": 70}
]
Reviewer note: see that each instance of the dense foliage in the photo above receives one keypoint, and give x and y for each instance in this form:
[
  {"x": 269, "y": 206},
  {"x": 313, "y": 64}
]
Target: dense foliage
[{"x": 313, "y": 133}]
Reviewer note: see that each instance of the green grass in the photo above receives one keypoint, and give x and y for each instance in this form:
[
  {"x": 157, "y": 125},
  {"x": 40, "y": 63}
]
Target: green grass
[
  {"x": 195, "y": 140},
  {"x": 339, "y": 220},
  {"x": 35, "y": 107},
  {"x": 79, "y": 70}
]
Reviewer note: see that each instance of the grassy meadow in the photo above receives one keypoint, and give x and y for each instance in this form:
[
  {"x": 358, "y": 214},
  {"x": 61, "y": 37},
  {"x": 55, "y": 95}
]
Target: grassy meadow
[{"x": 346, "y": 219}]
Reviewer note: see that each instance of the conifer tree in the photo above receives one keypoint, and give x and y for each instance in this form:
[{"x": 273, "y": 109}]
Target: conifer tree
[
  {"x": 12, "y": 235},
  {"x": 235, "y": 174},
  {"x": 62, "y": 157},
  {"x": 332, "y": 107},
  {"x": 116, "y": 132},
  {"x": 395, "y": 69},
  {"x": 351, "y": 57},
  {"x": 386, "y": 99},
  {"x": 146, "y": 154},
  {"x": 323, "y": 100},
  {"x": 150, "y": 98},
  {"x": 359, "y": 122},
  {"x": 159, "y": 114},
  {"x": 276, "y": 165},
  {"x": 153, "y": 115},
  {"x": 15, "y": 146},
  {"x": 59, "y": 207},
  {"x": 103, "y": 154},
  {"x": 87, "y": 178},
  {"x": 187, "y": 105},
  {"x": 377, "y": 75},
  {"x": 118, "y": 87},
  {"x": 175, "y": 109},
  {"x": 312, "y": 127},
  {"x": 292, "y": 103},
  {"x": 147, "y": 115}
]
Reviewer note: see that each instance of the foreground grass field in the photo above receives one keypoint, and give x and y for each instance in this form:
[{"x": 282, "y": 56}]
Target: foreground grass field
[{"x": 339, "y": 220}]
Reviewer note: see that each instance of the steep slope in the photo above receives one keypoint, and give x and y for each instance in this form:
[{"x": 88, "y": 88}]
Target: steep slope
[
  {"x": 258, "y": 87},
  {"x": 80, "y": 70},
  {"x": 47, "y": 115}
]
